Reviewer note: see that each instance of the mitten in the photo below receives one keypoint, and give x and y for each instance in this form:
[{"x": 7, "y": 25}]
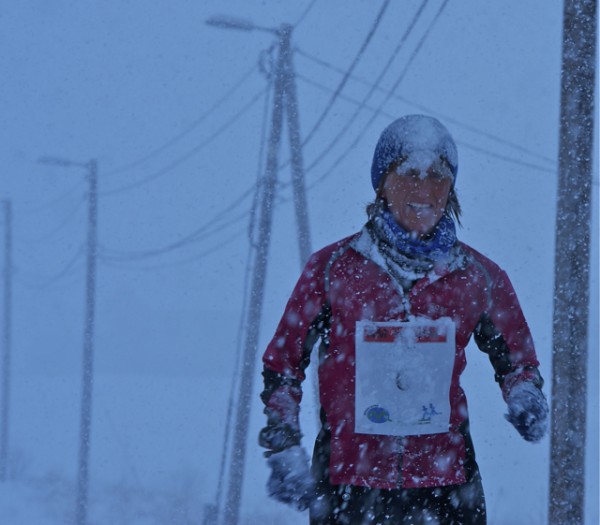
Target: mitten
[
  {"x": 278, "y": 436},
  {"x": 291, "y": 481},
  {"x": 528, "y": 411}
]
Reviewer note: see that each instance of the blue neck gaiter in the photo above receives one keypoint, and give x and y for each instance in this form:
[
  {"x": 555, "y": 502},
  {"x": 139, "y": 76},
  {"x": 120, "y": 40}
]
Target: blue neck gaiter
[{"x": 434, "y": 247}]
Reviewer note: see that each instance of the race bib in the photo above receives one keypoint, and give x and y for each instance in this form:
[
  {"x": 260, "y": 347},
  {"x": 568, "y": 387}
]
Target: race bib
[{"x": 403, "y": 375}]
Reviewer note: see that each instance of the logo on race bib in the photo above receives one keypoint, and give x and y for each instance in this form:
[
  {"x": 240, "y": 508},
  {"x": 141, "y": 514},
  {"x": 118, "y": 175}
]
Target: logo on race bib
[
  {"x": 428, "y": 413},
  {"x": 377, "y": 414}
]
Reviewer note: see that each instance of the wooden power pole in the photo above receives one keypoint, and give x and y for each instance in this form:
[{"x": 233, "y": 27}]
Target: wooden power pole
[
  {"x": 284, "y": 104},
  {"x": 88, "y": 348},
  {"x": 572, "y": 260},
  {"x": 87, "y": 378},
  {"x": 6, "y": 340}
]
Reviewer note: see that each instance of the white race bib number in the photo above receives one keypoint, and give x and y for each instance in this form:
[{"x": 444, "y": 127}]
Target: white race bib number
[{"x": 403, "y": 376}]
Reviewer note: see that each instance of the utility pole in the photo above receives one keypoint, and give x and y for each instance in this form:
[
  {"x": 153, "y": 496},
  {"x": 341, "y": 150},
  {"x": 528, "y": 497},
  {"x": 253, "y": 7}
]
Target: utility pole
[
  {"x": 289, "y": 87},
  {"x": 284, "y": 104},
  {"x": 572, "y": 260},
  {"x": 87, "y": 380},
  {"x": 88, "y": 347},
  {"x": 6, "y": 350}
]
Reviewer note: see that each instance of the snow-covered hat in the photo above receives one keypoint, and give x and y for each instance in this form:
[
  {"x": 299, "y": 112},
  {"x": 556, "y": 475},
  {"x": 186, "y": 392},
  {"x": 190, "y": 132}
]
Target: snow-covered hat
[{"x": 415, "y": 141}]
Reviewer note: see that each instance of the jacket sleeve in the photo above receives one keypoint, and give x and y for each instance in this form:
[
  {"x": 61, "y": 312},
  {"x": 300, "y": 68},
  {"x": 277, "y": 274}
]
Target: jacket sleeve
[
  {"x": 503, "y": 334},
  {"x": 288, "y": 355}
]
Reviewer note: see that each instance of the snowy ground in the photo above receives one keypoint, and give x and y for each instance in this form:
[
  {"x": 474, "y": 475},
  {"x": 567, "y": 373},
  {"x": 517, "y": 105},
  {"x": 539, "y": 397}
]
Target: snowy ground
[{"x": 153, "y": 459}]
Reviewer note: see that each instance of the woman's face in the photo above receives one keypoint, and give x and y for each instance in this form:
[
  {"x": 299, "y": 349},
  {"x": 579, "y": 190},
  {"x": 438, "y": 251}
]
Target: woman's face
[{"x": 417, "y": 201}]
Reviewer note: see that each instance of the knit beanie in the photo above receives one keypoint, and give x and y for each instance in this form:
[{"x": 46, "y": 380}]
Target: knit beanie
[{"x": 415, "y": 142}]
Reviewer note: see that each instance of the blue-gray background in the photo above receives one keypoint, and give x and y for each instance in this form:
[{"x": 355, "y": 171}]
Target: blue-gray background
[{"x": 117, "y": 81}]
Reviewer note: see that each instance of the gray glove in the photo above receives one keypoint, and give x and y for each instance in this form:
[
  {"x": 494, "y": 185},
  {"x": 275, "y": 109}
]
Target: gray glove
[
  {"x": 291, "y": 481},
  {"x": 528, "y": 411}
]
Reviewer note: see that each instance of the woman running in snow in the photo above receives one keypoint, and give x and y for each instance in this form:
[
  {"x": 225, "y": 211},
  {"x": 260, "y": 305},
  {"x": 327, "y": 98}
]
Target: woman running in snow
[{"x": 394, "y": 307}]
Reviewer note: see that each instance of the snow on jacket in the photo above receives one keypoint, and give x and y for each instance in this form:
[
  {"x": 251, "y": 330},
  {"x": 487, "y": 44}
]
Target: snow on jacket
[{"x": 343, "y": 284}]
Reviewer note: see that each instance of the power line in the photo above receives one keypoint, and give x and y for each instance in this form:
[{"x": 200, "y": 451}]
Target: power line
[
  {"x": 193, "y": 237},
  {"x": 49, "y": 281},
  {"x": 478, "y": 131},
  {"x": 462, "y": 143},
  {"x": 187, "y": 130},
  {"x": 188, "y": 240},
  {"x": 347, "y": 74},
  {"x": 211, "y": 225},
  {"x": 327, "y": 150},
  {"x": 304, "y": 14},
  {"x": 61, "y": 225},
  {"x": 378, "y": 110},
  {"x": 341, "y": 85},
  {"x": 411, "y": 59},
  {"x": 505, "y": 158},
  {"x": 51, "y": 203},
  {"x": 189, "y": 154},
  {"x": 196, "y": 235},
  {"x": 210, "y": 251},
  {"x": 417, "y": 105},
  {"x": 158, "y": 150},
  {"x": 121, "y": 259},
  {"x": 384, "y": 70}
]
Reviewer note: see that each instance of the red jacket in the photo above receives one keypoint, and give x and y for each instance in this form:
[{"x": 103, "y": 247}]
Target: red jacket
[{"x": 340, "y": 286}]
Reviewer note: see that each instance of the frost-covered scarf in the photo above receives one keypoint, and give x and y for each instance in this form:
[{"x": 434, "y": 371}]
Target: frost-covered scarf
[{"x": 412, "y": 257}]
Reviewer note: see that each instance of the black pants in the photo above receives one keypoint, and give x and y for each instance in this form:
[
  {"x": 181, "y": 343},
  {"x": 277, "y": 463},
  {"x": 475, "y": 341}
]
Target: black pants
[
  {"x": 452, "y": 505},
  {"x": 350, "y": 505}
]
